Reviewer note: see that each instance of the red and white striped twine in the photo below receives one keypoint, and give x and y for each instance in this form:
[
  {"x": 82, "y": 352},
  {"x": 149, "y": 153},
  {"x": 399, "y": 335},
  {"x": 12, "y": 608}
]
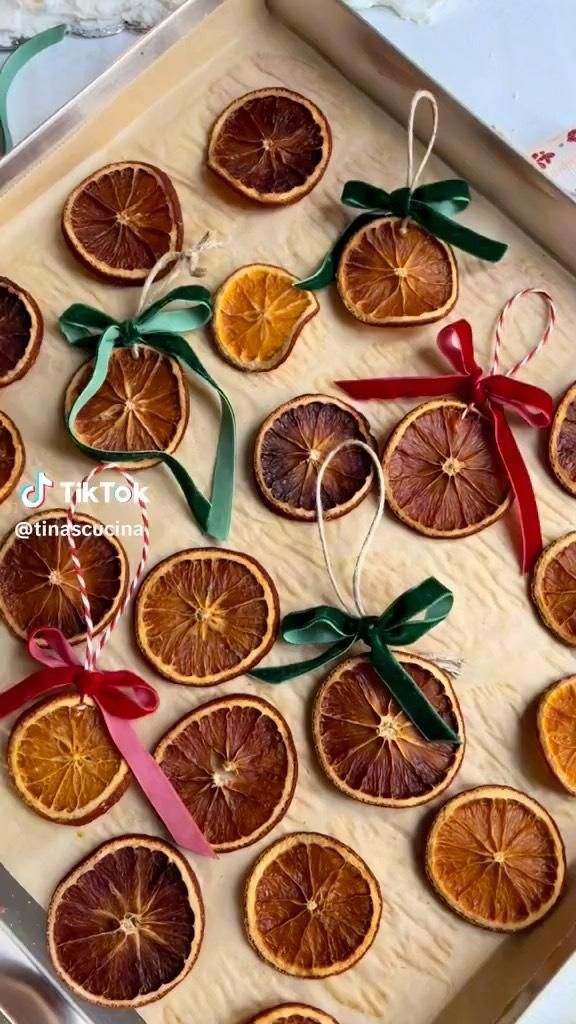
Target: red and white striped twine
[
  {"x": 551, "y": 320},
  {"x": 94, "y": 646}
]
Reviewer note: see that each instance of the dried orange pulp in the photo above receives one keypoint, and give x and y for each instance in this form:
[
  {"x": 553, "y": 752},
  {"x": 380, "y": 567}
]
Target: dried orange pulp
[
  {"x": 312, "y": 906},
  {"x": 271, "y": 145},
  {"x": 393, "y": 274},
  {"x": 12, "y": 456},
  {"x": 557, "y": 730},
  {"x": 496, "y": 857},
  {"x": 553, "y": 589},
  {"x": 21, "y": 330},
  {"x": 121, "y": 219},
  {"x": 562, "y": 441},
  {"x": 63, "y": 763},
  {"x": 368, "y": 747},
  {"x": 258, "y": 315},
  {"x": 233, "y": 762},
  {"x": 143, "y": 405},
  {"x": 126, "y": 925},
  {"x": 293, "y": 1013}
]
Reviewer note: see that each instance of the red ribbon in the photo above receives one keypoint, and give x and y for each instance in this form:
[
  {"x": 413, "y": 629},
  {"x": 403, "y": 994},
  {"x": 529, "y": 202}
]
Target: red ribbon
[
  {"x": 121, "y": 697},
  {"x": 493, "y": 394}
]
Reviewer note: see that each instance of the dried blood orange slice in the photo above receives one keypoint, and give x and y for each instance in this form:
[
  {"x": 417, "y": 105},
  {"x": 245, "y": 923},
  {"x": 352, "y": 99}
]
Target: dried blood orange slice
[
  {"x": 496, "y": 857},
  {"x": 291, "y": 446},
  {"x": 562, "y": 442},
  {"x": 126, "y": 925},
  {"x": 233, "y": 762},
  {"x": 63, "y": 762},
  {"x": 293, "y": 1013},
  {"x": 369, "y": 748},
  {"x": 312, "y": 906},
  {"x": 258, "y": 315},
  {"x": 553, "y": 589},
  {"x": 206, "y": 615},
  {"x": 21, "y": 330},
  {"x": 143, "y": 405},
  {"x": 443, "y": 474},
  {"x": 272, "y": 145},
  {"x": 12, "y": 456},
  {"x": 121, "y": 219},
  {"x": 395, "y": 276},
  {"x": 38, "y": 584},
  {"x": 557, "y": 730}
]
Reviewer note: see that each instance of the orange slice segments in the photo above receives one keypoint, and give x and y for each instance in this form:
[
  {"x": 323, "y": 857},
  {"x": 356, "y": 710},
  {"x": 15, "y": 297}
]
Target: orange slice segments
[
  {"x": 392, "y": 274},
  {"x": 21, "y": 331},
  {"x": 143, "y": 405},
  {"x": 557, "y": 730},
  {"x": 233, "y": 762},
  {"x": 293, "y": 1013},
  {"x": 12, "y": 456},
  {"x": 312, "y": 906},
  {"x": 121, "y": 219},
  {"x": 126, "y": 925},
  {"x": 63, "y": 763},
  {"x": 562, "y": 441},
  {"x": 367, "y": 746},
  {"x": 38, "y": 585},
  {"x": 496, "y": 857},
  {"x": 206, "y": 615},
  {"x": 553, "y": 588},
  {"x": 271, "y": 145},
  {"x": 258, "y": 316}
]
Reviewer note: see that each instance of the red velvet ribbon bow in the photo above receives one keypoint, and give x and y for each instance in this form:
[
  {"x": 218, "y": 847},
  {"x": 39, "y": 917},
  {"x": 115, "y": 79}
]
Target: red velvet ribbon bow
[{"x": 492, "y": 394}]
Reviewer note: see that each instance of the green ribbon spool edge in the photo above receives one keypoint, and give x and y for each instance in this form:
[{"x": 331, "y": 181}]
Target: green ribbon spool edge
[{"x": 13, "y": 65}]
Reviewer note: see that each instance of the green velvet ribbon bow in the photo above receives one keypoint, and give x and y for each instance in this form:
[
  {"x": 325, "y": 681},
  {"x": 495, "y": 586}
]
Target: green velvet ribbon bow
[
  {"x": 431, "y": 206},
  {"x": 12, "y": 66},
  {"x": 407, "y": 619},
  {"x": 160, "y": 329}
]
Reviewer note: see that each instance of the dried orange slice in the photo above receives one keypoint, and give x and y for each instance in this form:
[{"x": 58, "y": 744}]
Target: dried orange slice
[
  {"x": 443, "y": 474},
  {"x": 258, "y": 315},
  {"x": 272, "y": 145},
  {"x": 553, "y": 589},
  {"x": 233, "y": 762},
  {"x": 63, "y": 762},
  {"x": 126, "y": 925},
  {"x": 557, "y": 730},
  {"x": 38, "y": 585},
  {"x": 562, "y": 441},
  {"x": 21, "y": 331},
  {"x": 293, "y": 1013},
  {"x": 121, "y": 219},
  {"x": 369, "y": 748},
  {"x": 497, "y": 858},
  {"x": 206, "y": 615},
  {"x": 12, "y": 456},
  {"x": 292, "y": 444},
  {"x": 143, "y": 405},
  {"x": 312, "y": 906},
  {"x": 395, "y": 276}
]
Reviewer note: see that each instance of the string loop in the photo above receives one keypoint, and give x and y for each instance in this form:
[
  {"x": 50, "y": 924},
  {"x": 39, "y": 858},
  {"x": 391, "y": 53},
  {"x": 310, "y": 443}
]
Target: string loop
[
  {"x": 550, "y": 322},
  {"x": 413, "y": 176}
]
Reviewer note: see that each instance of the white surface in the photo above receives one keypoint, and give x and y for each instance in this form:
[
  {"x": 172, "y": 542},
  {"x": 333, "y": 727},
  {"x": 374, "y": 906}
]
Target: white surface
[
  {"x": 556, "y": 1004},
  {"x": 23, "y": 18},
  {"x": 415, "y": 10}
]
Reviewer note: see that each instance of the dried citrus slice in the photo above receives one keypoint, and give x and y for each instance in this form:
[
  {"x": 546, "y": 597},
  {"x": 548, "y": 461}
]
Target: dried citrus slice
[
  {"x": 38, "y": 585},
  {"x": 312, "y": 906},
  {"x": 63, "y": 762},
  {"x": 272, "y": 145},
  {"x": 292, "y": 444},
  {"x": 206, "y": 615},
  {"x": 557, "y": 730},
  {"x": 12, "y": 456},
  {"x": 553, "y": 589},
  {"x": 293, "y": 1013},
  {"x": 562, "y": 442},
  {"x": 497, "y": 858},
  {"x": 258, "y": 315},
  {"x": 395, "y": 276},
  {"x": 21, "y": 330},
  {"x": 121, "y": 219},
  {"x": 443, "y": 474},
  {"x": 369, "y": 748},
  {"x": 233, "y": 762},
  {"x": 143, "y": 405},
  {"x": 126, "y": 925}
]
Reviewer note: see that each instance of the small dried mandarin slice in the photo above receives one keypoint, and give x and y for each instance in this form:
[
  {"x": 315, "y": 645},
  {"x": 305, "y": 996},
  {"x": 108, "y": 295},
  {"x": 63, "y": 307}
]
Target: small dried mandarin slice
[
  {"x": 562, "y": 441},
  {"x": 12, "y": 456},
  {"x": 21, "y": 331},
  {"x": 557, "y": 730},
  {"x": 293, "y": 1013},
  {"x": 553, "y": 589}
]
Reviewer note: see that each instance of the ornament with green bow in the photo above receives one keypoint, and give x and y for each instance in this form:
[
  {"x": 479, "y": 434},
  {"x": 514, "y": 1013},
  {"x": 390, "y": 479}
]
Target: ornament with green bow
[
  {"x": 433, "y": 207},
  {"x": 160, "y": 328},
  {"x": 405, "y": 621}
]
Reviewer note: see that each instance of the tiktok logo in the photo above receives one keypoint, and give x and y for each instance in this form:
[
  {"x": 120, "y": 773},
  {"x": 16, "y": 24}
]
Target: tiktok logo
[{"x": 34, "y": 495}]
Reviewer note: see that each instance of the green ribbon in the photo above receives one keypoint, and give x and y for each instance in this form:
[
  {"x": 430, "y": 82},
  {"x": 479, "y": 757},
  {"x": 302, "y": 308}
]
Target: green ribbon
[
  {"x": 11, "y": 67},
  {"x": 407, "y": 619},
  {"x": 160, "y": 329},
  {"x": 431, "y": 206}
]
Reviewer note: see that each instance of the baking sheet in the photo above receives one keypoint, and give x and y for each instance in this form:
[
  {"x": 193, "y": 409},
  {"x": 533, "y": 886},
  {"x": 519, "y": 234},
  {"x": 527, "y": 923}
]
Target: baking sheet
[{"x": 426, "y": 966}]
